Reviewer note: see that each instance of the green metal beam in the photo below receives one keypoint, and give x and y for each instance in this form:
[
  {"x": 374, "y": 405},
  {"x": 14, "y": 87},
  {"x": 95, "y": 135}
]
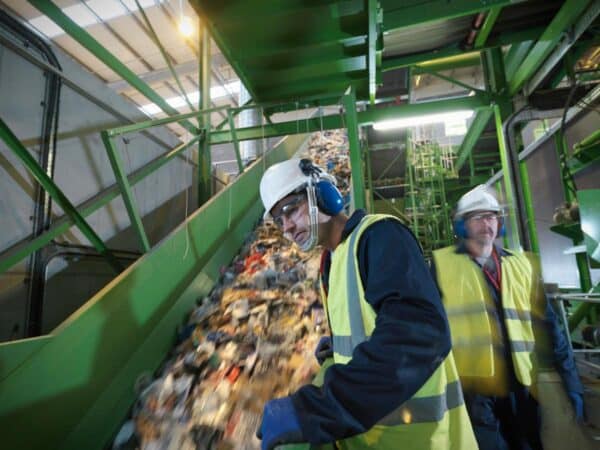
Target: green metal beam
[
  {"x": 509, "y": 190},
  {"x": 370, "y": 116},
  {"x": 306, "y": 72},
  {"x": 480, "y": 121},
  {"x": 399, "y": 15},
  {"x": 204, "y": 155},
  {"x": 369, "y": 185},
  {"x": 516, "y": 54},
  {"x": 20, "y": 251},
  {"x": 57, "y": 195},
  {"x": 529, "y": 209},
  {"x": 358, "y": 185},
  {"x": 139, "y": 126},
  {"x": 372, "y": 51},
  {"x": 452, "y": 62},
  {"x": 236, "y": 143},
  {"x": 55, "y": 14},
  {"x": 500, "y": 40},
  {"x": 128, "y": 198},
  {"x": 565, "y": 17},
  {"x": 487, "y": 26},
  {"x": 561, "y": 52}
]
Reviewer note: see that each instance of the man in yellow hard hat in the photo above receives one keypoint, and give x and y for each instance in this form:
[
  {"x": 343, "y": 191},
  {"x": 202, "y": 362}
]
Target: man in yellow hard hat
[
  {"x": 502, "y": 327},
  {"x": 393, "y": 383}
]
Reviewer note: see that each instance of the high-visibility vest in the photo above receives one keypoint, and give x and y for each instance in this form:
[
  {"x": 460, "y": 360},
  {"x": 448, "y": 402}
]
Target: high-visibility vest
[
  {"x": 435, "y": 417},
  {"x": 471, "y": 314}
]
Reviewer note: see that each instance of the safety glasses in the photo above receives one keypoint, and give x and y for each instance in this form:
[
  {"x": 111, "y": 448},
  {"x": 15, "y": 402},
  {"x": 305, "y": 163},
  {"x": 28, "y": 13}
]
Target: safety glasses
[
  {"x": 487, "y": 216},
  {"x": 288, "y": 210}
]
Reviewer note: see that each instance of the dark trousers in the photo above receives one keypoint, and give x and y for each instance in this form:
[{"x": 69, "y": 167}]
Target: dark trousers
[{"x": 505, "y": 423}]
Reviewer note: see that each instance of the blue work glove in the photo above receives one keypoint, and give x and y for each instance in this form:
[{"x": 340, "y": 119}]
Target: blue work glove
[
  {"x": 324, "y": 349},
  {"x": 279, "y": 424},
  {"x": 577, "y": 401}
]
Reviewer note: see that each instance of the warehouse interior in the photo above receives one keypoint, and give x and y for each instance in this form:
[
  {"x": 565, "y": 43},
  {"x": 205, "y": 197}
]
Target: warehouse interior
[{"x": 135, "y": 133}]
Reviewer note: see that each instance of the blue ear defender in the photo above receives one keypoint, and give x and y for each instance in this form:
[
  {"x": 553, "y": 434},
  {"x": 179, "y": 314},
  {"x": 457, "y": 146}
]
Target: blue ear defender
[
  {"x": 502, "y": 230},
  {"x": 329, "y": 199},
  {"x": 460, "y": 229}
]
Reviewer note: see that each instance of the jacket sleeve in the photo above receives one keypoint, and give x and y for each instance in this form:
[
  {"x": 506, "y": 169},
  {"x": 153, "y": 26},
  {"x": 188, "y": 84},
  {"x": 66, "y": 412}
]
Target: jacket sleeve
[
  {"x": 410, "y": 340},
  {"x": 562, "y": 355}
]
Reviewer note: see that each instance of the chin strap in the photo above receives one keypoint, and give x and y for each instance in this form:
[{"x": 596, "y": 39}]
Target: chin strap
[{"x": 313, "y": 213}]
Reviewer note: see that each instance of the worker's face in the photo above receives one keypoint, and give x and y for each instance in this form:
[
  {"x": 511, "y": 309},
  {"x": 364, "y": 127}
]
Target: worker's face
[
  {"x": 482, "y": 226},
  {"x": 291, "y": 215}
]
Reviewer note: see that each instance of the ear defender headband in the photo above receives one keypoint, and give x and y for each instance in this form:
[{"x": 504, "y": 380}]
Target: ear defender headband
[{"x": 328, "y": 198}]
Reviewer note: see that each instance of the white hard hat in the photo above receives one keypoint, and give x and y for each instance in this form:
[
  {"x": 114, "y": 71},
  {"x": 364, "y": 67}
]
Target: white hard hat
[
  {"x": 282, "y": 179},
  {"x": 477, "y": 199}
]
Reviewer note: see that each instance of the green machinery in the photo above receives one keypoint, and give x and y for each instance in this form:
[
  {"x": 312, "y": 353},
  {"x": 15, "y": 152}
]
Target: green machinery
[
  {"x": 72, "y": 388},
  {"x": 428, "y": 166}
]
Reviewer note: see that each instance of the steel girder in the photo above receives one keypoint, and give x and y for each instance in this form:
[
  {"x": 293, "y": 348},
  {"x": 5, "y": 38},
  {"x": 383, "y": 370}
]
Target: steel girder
[
  {"x": 566, "y": 16},
  {"x": 57, "y": 194},
  {"x": 399, "y": 15}
]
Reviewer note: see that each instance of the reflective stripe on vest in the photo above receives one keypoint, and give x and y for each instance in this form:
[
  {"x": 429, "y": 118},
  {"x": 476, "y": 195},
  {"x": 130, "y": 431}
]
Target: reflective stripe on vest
[{"x": 426, "y": 409}]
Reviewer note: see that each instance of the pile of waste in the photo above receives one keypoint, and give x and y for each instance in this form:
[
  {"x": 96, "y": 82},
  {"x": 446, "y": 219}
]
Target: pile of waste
[{"x": 252, "y": 339}]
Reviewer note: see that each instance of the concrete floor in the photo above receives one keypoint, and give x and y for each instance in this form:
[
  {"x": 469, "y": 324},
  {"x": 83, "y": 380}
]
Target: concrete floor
[{"x": 559, "y": 429}]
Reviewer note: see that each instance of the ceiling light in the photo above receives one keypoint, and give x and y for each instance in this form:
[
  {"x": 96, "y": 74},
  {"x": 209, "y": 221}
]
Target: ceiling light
[
  {"x": 186, "y": 26},
  {"x": 422, "y": 120}
]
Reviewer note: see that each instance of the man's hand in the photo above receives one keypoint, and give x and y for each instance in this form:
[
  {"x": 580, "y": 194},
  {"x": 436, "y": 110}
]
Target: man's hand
[
  {"x": 577, "y": 401},
  {"x": 279, "y": 424},
  {"x": 324, "y": 349}
]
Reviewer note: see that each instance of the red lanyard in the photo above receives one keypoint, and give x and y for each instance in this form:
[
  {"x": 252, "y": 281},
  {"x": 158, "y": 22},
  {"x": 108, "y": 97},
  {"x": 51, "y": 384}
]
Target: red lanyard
[{"x": 495, "y": 279}]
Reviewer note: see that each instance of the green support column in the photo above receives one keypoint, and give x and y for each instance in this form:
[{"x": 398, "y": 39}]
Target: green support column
[
  {"x": 514, "y": 240},
  {"x": 204, "y": 156},
  {"x": 585, "y": 277},
  {"x": 128, "y": 198},
  {"x": 57, "y": 195},
  {"x": 531, "y": 226},
  {"x": 358, "y": 188},
  {"x": 471, "y": 166},
  {"x": 236, "y": 143},
  {"x": 367, "y": 154},
  {"x": 372, "y": 51},
  {"x": 505, "y": 237}
]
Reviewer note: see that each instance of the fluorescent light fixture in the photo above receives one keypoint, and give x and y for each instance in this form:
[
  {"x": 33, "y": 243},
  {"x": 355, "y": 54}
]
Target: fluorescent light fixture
[
  {"x": 177, "y": 102},
  {"x": 408, "y": 122}
]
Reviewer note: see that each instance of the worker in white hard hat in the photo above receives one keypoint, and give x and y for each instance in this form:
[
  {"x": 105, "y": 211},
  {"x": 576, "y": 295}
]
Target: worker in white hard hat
[
  {"x": 503, "y": 329},
  {"x": 393, "y": 382}
]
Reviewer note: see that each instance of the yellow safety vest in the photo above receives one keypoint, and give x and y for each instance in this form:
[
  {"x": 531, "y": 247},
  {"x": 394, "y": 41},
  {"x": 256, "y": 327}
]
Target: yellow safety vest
[
  {"x": 435, "y": 417},
  {"x": 470, "y": 308}
]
